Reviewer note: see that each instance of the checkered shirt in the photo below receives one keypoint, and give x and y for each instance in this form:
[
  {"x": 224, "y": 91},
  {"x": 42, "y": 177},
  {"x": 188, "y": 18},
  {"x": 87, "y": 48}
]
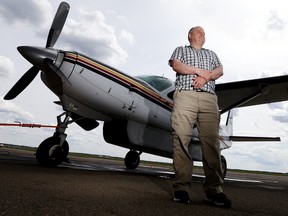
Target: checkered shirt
[{"x": 203, "y": 59}]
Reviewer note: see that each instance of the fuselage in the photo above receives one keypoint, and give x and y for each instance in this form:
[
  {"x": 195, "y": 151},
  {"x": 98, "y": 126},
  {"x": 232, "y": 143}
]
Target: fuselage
[
  {"x": 97, "y": 91},
  {"x": 111, "y": 94}
]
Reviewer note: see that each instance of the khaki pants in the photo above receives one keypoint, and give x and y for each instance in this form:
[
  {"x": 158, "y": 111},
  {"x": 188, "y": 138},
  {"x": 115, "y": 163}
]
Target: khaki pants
[{"x": 198, "y": 108}]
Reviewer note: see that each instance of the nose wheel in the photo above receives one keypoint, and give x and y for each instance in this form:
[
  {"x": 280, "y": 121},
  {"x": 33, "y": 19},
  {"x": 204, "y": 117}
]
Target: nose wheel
[
  {"x": 51, "y": 153},
  {"x": 54, "y": 150}
]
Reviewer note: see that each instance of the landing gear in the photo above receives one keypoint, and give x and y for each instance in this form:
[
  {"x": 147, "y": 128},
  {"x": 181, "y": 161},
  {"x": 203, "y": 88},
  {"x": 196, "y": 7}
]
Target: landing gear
[
  {"x": 51, "y": 153},
  {"x": 132, "y": 159},
  {"x": 223, "y": 166},
  {"x": 54, "y": 150}
]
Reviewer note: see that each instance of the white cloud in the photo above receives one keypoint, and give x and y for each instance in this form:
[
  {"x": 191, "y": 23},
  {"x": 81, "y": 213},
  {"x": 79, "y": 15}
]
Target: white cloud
[
  {"x": 128, "y": 36},
  {"x": 259, "y": 156},
  {"x": 93, "y": 36},
  {"x": 6, "y": 67},
  {"x": 279, "y": 112},
  {"x": 10, "y": 112},
  {"x": 276, "y": 22},
  {"x": 25, "y": 12}
]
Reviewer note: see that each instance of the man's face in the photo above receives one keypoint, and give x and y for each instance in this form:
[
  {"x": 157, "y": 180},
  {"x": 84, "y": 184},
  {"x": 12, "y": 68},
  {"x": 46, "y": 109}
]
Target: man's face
[{"x": 198, "y": 35}]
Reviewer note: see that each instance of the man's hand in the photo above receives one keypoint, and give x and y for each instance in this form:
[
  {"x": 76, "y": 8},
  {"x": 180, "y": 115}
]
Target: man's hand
[
  {"x": 198, "y": 82},
  {"x": 206, "y": 74}
]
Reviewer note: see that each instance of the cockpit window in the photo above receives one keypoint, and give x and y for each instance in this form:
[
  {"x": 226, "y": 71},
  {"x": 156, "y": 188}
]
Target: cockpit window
[{"x": 157, "y": 82}]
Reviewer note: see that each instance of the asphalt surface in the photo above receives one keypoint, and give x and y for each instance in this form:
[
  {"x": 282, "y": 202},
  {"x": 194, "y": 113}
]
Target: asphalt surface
[{"x": 90, "y": 186}]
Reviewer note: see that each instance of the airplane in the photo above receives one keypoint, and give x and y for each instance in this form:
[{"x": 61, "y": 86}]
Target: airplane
[{"x": 135, "y": 109}]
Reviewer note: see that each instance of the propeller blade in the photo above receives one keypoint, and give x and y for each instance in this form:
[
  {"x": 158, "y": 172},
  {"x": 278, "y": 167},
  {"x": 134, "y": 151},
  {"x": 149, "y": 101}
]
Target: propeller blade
[
  {"x": 22, "y": 83},
  {"x": 58, "y": 23}
]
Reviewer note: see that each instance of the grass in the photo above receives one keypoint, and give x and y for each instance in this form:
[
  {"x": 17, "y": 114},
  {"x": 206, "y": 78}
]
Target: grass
[{"x": 143, "y": 162}]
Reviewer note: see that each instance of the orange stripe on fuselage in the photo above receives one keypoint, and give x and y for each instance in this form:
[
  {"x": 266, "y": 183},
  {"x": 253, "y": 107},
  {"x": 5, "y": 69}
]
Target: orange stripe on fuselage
[{"x": 122, "y": 77}]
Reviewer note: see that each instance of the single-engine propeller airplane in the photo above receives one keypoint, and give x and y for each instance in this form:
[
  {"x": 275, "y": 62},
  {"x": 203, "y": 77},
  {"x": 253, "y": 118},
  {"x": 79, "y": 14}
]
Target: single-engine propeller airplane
[{"x": 135, "y": 110}]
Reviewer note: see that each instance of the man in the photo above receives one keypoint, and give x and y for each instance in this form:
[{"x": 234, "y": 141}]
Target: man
[{"x": 195, "y": 103}]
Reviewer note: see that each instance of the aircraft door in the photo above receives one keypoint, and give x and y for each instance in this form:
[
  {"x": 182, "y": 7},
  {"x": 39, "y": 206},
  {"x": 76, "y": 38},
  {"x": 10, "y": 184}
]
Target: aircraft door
[
  {"x": 102, "y": 88},
  {"x": 143, "y": 109}
]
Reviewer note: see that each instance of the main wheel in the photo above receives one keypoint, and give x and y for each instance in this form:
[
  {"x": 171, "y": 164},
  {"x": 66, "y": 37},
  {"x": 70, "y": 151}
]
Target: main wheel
[
  {"x": 50, "y": 153},
  {"x": 223, "y": 166},
  {"x": 132, "y": 159}
]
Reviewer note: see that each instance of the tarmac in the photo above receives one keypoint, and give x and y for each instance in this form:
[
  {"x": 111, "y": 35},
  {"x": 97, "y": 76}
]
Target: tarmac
[{"x": 93, "y": 186}]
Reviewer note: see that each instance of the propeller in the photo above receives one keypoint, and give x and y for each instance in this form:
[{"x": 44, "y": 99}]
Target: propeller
[
  {"x": 54, "y": 32},
  {"x": 22, "y": 83},
  {"x": 58, "y": 23}
]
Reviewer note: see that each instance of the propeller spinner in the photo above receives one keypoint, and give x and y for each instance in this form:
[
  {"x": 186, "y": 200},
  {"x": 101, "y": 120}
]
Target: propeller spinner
[{"x": 41, "y": 53}]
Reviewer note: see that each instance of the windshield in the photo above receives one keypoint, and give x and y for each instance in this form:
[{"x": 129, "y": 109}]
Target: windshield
[{"x": 157, "y": 82}]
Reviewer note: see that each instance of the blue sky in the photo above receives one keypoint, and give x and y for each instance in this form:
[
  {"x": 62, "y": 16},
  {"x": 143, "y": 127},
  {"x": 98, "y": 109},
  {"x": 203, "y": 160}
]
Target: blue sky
[{"x": 138, "y": 37}]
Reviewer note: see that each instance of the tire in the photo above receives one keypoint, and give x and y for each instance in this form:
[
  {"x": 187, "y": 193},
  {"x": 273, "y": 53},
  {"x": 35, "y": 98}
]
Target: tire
[
  {"x": 223, "y": 166},
  {"x": 132, "y": 159},
  {"x": 50, "y": 153}
]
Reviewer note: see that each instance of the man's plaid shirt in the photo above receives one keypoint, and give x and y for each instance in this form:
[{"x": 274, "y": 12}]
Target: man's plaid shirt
[{"x": 203, "y": 59}]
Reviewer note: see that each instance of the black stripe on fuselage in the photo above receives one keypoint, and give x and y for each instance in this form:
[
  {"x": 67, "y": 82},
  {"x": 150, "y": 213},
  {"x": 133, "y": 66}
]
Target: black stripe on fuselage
[{"x": 127, "y": 85}]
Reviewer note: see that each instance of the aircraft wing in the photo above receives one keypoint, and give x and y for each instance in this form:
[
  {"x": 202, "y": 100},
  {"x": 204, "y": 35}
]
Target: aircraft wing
[{"x": 252, "y": 92}]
